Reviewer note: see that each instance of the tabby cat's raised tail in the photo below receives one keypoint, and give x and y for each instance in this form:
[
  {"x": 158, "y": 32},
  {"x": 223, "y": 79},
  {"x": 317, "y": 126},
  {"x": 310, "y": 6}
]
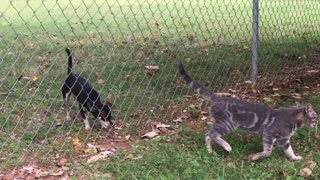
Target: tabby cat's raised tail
[{"x": 194, "y": 84}]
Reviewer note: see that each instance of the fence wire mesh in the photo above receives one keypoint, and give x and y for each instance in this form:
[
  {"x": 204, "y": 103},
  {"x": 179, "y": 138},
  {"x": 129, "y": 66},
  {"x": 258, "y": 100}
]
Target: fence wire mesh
[{"x": 114, "y": 43}]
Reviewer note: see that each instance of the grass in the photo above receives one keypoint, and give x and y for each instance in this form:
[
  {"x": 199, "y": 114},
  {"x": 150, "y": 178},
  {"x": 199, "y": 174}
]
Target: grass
[
  {"x": 113, "y": 41},
  {"x": 185, "y": 157}
]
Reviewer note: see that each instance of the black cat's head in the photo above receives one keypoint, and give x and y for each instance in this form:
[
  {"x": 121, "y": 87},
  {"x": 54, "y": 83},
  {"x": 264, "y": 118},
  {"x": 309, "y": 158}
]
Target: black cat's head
[{"x": 105, "y": 116}]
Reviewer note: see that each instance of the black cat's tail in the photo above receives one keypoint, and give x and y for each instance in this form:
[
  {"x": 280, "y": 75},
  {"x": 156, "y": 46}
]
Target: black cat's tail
[
  {"x": 69, "y": 61},
  {"x": 194, "y": 84}
]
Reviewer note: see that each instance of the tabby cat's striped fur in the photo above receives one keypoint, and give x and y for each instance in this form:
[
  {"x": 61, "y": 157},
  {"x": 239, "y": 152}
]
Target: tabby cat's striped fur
[{"x": 274, "y": 125}]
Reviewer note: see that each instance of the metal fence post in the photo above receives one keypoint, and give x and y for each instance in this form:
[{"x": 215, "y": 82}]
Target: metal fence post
[{"x": 255, "y": 39}]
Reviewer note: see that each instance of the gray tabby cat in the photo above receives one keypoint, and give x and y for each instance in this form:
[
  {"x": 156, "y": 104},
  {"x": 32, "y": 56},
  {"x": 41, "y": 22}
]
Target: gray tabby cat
[{"x": 274, "y": 125}]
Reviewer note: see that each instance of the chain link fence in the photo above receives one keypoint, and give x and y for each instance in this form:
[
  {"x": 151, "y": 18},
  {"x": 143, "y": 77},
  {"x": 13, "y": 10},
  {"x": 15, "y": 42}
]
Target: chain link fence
[{"x": 128, "y": 52}]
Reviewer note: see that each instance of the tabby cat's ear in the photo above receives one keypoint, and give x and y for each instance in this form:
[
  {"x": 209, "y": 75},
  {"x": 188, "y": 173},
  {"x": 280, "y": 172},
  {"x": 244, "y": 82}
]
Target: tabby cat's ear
[{"x": 308, "y": 108}]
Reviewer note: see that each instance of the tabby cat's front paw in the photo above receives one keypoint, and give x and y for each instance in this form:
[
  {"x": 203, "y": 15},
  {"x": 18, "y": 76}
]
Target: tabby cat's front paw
[{"x": 296, "y": 158}]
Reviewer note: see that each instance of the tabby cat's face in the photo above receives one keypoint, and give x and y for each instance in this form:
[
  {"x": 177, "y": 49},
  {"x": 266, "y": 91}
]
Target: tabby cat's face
[{"x": 312, "y": 117}]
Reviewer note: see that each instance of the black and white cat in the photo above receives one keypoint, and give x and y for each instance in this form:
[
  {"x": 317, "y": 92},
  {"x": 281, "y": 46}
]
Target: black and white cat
[
  {"x": 274, "y": 125},
  {"x": 87, "y": 97}
]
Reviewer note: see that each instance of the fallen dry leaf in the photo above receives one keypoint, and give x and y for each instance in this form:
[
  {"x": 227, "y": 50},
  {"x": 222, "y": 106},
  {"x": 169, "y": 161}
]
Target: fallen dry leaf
[
  {"x": 231, "y": 165},
  {"x": 254, "y": 91},
  {"x": 100, "y": 81},
  {"x": 183, "y": 117},
  {"x": 209, "y": 122},
  {"x": 275, "y": 89},
  {"x": 313, "y": 71},
  {"x": 296, "y": 95},
  {"x": 34, "y": 78},
  {"x": 306, "y": 172},
  {"x": 77, "y": 144},
  {"x": 204, "y": 112},
  {"x": 232, "y": 91},
  {"x": 312, "y": 164},
  {"x": 62, "y": 162},
  {"x": 152, "y": 67},
  {"x": 91, "y": 150},
  {"x": 149, "y": 72},
  {"x": 203, "y": 118},
  {"x": 92, "y": 146},
  {"x": 179, "y": 120},
  {"x": 162, "y": 126},
  {"x": 58, "y": 123},
  {"x": 101, "y": 155},
  {"x": 150, "y": 135},
  {"x": 30, "y": 45},
  {"x": 163, "y": 129},
  {"x": 59, "y": 173},
  {"x": 267, "y": 99},
  {"x": 138, "y": 157},
  {"x": 276, "y": 95},
  {"x": 127, "y": 137}
]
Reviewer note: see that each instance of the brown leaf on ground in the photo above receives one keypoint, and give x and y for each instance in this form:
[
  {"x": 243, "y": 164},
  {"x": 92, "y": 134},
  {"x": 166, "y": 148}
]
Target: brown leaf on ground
[
  {"x": 162, "y": 126},
  {"x": 58, "y": 123},
  {"x": 178, "y": 120},
  {"x": 267, "y": 99},
  {"x": 204, "y": 112},
  {"x": 312, "y": 164},
  {"x": 313, "y": 71},
  {"x": 149, "y": 72},
  {"x": 306, "y": 172},
  {"x": 30, "y": 45},
  {"x": 296, "y": 95},
  {"x": 276, "y": 95},
  {"x": 150, "y": 135},
  {"x": 26, "y": 172},
  {"x": 59, "y": 173},
  {"x": 127, "y": 137},
  {"x": 91, "y": 149},
  {"x": 77, "y": 144},
  {"x": 203, "y": 118},
  {"x": 275, "y": 89},
  {"x": 34, "y": 78},
  {"x": 100, "y": 81},
  {"x": 62, "y": 162},
  {"x": 101, "y": 155},
  {"x": 232, "y": 91},
  {"x": 138, "y": 157},
  {"x": 183, "y": 117},
  {"x": 165, "y": 130},
  {"x": 152, "y": 67}
]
